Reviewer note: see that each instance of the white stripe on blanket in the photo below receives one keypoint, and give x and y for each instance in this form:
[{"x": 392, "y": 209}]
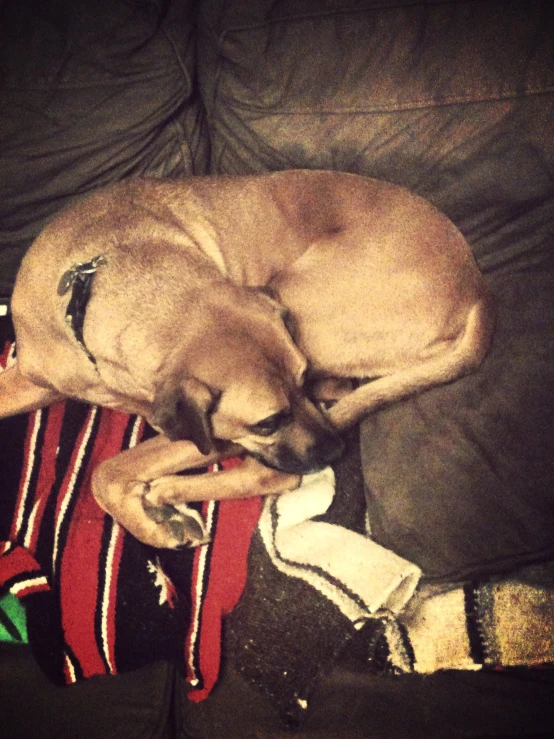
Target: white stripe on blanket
[{"x": 359, "y": 576}]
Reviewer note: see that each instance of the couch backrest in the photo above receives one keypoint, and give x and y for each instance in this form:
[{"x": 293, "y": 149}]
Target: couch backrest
[
  {"x": 91, "y": 92},
  {"x": 454, "y": 100}
]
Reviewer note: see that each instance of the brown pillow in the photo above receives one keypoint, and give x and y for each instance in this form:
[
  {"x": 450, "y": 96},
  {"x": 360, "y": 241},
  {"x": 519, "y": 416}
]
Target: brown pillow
[{"x": 460, "y": 479}]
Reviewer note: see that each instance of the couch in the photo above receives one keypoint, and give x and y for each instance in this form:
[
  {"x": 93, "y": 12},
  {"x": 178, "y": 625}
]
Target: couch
[{"x": 454, "y": 100}]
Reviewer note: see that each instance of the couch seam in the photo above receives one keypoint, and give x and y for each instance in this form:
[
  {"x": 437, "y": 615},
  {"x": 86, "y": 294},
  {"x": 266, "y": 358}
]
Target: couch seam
[
  {"x": 341, "y": 11},
  {"x": 416, "y": 105}
]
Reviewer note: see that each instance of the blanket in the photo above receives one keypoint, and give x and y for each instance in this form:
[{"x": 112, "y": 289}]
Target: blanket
[
  {"x": 296, "y": 577},
  {"x": 300, "y": 611},
  {"x": 97, "y": 601}
]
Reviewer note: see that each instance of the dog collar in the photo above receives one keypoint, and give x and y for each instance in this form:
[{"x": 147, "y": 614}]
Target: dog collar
[{"x": 79, "y": 279}]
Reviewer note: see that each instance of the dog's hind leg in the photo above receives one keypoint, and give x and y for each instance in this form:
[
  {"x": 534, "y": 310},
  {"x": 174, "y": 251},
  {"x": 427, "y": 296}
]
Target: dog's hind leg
[
  {"x": 454, "y": 360},
  {"x": 20, "y": 395}
]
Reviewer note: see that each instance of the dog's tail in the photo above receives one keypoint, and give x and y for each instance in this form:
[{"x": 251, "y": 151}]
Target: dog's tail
[{"x": 458, "y": 358}]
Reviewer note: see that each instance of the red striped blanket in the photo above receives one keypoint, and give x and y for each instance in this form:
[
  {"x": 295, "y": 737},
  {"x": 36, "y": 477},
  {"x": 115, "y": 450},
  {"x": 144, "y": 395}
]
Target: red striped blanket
[{"x": 98, "y": 601}]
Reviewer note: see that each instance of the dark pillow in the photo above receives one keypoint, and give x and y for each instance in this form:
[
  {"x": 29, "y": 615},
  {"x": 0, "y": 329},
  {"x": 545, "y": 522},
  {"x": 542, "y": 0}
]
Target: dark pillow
[
  {"x": 92, "y": 91},
  {"x": 460, "y": 479},
  {"x": 454, "y": 100}
]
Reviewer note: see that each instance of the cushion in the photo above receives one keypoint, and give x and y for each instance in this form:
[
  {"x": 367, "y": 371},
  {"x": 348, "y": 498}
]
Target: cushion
[
  {"x": 92, "y": 92},
  {"x": 460, "y": 479},
  {"x": 136, "y": 704},
  {"x": 454, "y": 100},
  {"x": 352, "y": 703}
]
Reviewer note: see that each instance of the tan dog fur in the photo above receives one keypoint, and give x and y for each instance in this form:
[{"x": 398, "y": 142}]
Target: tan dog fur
[{"x": 378, "y": 284}]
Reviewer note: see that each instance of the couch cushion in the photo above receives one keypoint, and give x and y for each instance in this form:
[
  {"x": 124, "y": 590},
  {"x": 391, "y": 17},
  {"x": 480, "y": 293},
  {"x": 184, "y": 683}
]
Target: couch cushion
[
  {"x": 352, "y": 703},
  {"x": 135, "y": 704},
  {"x": 92, "y": 92},
  {"x": 461, "y": 478}
]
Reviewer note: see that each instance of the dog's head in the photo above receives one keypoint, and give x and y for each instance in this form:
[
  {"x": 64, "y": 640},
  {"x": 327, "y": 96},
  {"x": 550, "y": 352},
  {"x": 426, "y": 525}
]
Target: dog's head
[{"x": 242, "y": 380}]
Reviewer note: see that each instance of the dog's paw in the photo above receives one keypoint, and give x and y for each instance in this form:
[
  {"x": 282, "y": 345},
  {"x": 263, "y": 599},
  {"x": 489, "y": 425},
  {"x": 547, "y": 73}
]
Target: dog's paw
[
  {"x": 154, "y": 522},
  {"x": 183, "y": 523}
]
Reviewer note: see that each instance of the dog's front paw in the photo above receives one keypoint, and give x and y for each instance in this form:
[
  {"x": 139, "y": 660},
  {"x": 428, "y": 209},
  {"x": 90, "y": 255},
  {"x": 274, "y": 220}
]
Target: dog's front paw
[
  {"x": 183, "y": 523},
  {"x": 153, "y": 522}
]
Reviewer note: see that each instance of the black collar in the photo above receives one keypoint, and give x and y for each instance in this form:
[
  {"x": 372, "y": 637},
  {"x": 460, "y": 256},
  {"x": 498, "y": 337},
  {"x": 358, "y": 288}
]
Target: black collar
[{"x": 79, "y": 279}]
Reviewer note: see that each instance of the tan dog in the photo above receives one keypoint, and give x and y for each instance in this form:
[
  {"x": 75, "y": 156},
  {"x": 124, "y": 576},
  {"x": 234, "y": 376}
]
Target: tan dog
[{"x": 179, "y": 300}]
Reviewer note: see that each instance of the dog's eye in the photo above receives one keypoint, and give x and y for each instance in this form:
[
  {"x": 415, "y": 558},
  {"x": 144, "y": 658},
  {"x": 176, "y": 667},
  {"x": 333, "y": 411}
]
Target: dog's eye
[{"x": 271, "y": 424}]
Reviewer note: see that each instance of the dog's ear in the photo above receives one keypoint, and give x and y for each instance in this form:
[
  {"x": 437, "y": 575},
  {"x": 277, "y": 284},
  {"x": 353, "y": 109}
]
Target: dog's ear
[{"x": 184, "y": 412}]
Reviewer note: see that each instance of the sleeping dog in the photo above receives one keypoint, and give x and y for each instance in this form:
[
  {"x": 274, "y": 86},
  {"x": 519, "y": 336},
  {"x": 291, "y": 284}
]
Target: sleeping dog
[{"x": 229, "y": 311}]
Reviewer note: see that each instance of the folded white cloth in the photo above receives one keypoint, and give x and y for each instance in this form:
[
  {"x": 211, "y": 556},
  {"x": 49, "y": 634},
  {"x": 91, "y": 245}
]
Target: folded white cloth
[{"x": 359, "y": 576}]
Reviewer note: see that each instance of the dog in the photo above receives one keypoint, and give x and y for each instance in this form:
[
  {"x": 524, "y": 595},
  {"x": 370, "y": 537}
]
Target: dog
[{"x": 234, "y": 314}]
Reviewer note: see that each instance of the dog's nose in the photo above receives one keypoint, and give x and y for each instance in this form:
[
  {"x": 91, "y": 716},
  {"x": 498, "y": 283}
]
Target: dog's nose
[
  {"x": 326, "y": 450},
  {"x": 329, "y": 449}
]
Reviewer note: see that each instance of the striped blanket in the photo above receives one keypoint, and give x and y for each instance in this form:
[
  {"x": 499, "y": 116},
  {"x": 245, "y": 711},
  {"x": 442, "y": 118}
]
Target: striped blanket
[
  {"x": 98, "y": 601},
  {"x": 283, "y": 636},
  {"x": 295, "y": 577}
]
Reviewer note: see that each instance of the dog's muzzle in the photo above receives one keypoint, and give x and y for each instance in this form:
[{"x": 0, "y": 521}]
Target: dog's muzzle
[{"x": 326, "y": 450}]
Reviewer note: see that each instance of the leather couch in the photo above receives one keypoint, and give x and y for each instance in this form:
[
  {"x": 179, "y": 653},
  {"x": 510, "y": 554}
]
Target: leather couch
[{"x": 454, "y": 100}]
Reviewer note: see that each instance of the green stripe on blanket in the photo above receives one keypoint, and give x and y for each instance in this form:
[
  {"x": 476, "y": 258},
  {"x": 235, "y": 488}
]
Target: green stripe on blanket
[{"x": 13, "y": 620}]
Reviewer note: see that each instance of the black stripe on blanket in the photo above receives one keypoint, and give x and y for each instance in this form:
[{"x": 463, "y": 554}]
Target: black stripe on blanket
[
  {"x": 36, "y": 460},
  {"x": 45, "y": 634},
  {"x": 12, "y": 437},
  {"x": 73, "y": 419},
  {"x": 104, "y": 573},
  {"x": 475, "y": 637}
]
